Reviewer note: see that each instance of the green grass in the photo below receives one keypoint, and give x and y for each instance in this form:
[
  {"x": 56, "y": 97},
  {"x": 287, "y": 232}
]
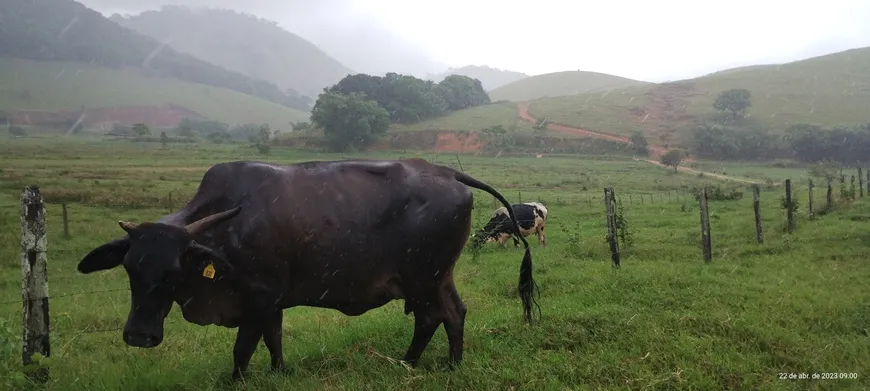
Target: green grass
[
  {"x": 473, "y": 119},
  {"x": 797, "y": 303},
  {"x": 69, "y": 85},
  {"x": 829, "y": 90},
  {"x": 560, "y": 84}
]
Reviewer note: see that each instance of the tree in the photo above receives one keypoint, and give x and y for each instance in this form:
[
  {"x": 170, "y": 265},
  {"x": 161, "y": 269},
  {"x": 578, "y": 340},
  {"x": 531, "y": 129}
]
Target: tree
[
  {"x": 185, "y": 128},
  {"x": 263, "y": 139},
  {"x": 639, "y": 142},
  {"x": 733, "y": 100},
  {"x": 672, "y": 158},
  {"x": 349, "y": 121},
  {"x": 164, "y": 140},
  {"x": 141, "y": 130},
  {"x": 300, "y": 126}
]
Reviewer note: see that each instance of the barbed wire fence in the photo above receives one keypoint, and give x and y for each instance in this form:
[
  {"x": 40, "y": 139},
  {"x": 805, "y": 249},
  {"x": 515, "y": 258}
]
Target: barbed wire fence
[{"x": 35, "y": 298}]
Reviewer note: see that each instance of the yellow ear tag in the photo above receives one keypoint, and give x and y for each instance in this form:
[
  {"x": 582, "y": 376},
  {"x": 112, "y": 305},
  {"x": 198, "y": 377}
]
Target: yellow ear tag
[{"x": 208, "y": 272}]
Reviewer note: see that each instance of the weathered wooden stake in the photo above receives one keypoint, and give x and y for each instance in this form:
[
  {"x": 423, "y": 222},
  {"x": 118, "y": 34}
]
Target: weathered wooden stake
[
  {"x": 860, "y": 183},
  {"x": 169, "y": 202},
  {"x": 65, "y": 221},
  {"x": 520, "y": 195},
  {"x": 868, "y": 182},
  {"x": 756, "y": 206},
  {"x": 705, "y": 227},
  {"x": 829, "y": 198},
  {"x": 788, "y": 208},
  {"x": 611, "y": 225},
  {"x": 852, "y": 187},
  {"x": 34, "y": 281},
  {"x": 810, "y": 205}
]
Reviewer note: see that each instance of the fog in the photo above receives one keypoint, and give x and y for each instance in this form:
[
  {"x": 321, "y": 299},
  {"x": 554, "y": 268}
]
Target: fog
[{"x": 653, "y": 41}]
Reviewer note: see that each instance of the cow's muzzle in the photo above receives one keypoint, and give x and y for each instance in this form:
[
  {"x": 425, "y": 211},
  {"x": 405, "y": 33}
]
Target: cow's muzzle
[{"x": 142, "y": 339}]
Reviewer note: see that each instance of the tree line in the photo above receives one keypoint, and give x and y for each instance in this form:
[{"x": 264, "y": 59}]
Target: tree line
[
  {"x": 359, "y": 108},
  {"x": 51, "y": 30}
]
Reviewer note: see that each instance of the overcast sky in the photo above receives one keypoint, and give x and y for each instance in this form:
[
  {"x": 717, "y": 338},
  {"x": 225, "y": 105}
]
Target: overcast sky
[{"x": 648, "y": 40}]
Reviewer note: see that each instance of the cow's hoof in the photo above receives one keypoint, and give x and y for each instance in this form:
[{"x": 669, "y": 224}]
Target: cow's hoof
[{"x": 283, "y": 370}]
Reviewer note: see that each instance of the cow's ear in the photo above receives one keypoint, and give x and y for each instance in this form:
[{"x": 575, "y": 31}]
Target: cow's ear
[
  {"x": 202, "y": 253},
  {"x": 105, "y": 257}
]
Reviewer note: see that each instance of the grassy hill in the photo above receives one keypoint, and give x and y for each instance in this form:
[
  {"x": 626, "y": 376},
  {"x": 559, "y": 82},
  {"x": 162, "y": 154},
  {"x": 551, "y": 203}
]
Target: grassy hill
[
  {"x": 243, "y": 43},
  {"x": 831, "y": 90},
  {"x": 475, "y": 118},
  {"x": 43, "y": 85},
  {"x": 490, "y": 78},
  {"x": 65, "y": 30},
  {"x": 560, "y": 84}
]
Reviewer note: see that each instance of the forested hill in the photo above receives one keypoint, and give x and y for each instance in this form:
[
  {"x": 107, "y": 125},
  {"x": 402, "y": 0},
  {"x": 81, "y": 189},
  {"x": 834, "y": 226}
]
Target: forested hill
[
  {"x": 243, "y": 43},
  {"x": 65, "y": 30}
]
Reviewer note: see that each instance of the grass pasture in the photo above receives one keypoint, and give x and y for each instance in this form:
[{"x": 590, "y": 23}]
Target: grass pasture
[{"x": 665, "y": 320}]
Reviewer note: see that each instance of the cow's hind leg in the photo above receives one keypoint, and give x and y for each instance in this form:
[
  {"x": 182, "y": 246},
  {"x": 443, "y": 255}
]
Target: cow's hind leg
[
  {"x": 272, "y": 337},
  {"x": 427, "y": 317},
  {"x": 454, "y": 320}
]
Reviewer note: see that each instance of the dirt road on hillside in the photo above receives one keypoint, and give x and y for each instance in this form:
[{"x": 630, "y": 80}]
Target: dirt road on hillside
[
  {"x": 655, "y": 151},
  {"x": 523, "y": 109}
]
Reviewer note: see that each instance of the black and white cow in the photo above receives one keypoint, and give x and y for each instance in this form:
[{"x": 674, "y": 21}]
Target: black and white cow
[{"x": 531, "y": 216}]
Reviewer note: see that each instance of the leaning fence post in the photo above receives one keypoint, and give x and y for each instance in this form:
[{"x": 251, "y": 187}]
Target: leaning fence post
[
  {"x": 788, "y": 208},
  {"x": 756, "y": 206},
  {"x": 611, "y": 225},
  {"x": 65, "y": 221},
  {"x": 810, "y": 204},
  {"x": 34, "y": 281},
  {"x": 705, "y": 226},
  {"x": 860, "y": 183}
]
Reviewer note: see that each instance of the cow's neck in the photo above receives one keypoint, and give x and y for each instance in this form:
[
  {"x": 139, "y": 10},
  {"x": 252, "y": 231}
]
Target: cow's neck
[{"x": 205, "y": 300}]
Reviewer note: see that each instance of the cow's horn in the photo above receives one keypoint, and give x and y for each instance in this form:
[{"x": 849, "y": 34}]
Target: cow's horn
[
  {"x": 127, "y": 226},
  {"x": 210, "y": 221}
]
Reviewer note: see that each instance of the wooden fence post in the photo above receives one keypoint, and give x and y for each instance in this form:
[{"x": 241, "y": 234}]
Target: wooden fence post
[
  {"x": 611, "y": 225},
  {"x": 860, "y": 182},
  {"x": 169, "y": 202},
  {"x": 830, "y": 196},
  {"x": 34, "y": 280},
  {"x": 852, "y": 187},
  {"x": 520, "y": 195},
  {"x": 705, "y": 226},
  {"x": 788, "y": 208},
  {"x": 810, "y": 205},
  {"x": 65, "y": 221},
  {"x": 868, "y": 182},
  {"x": 756, "y": 206}
]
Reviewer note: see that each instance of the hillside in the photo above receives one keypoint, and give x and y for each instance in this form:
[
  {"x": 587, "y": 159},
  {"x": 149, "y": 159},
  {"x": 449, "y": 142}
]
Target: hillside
[
  {"x": 475, "y": 118},
  {"x": 830, "y": 90},
  {"x": 243, "y": 43},
  {"x": 55, "y": 86},
  {"x": 560, "y": 84},
  {"x": 65, "y": 30},
  {"x": 490, "y": 78}
]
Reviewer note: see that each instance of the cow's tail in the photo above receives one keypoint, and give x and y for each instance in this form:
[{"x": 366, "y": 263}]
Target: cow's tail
[{"x": 527, "y": 287}]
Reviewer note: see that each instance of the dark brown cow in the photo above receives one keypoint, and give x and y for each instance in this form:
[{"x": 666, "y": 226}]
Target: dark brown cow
[{"x": 258, "y": 238}]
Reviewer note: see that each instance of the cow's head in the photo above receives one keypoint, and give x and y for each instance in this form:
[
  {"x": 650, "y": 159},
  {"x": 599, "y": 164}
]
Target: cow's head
[{"x": 156, "y": 257}]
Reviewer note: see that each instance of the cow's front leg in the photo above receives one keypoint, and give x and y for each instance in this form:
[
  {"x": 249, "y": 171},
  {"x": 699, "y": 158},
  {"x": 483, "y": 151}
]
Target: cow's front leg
[
  {"x": 272, "y": 330},
  {"x": 248, "y": 336},
  {"x": 542, "y": 239}
]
